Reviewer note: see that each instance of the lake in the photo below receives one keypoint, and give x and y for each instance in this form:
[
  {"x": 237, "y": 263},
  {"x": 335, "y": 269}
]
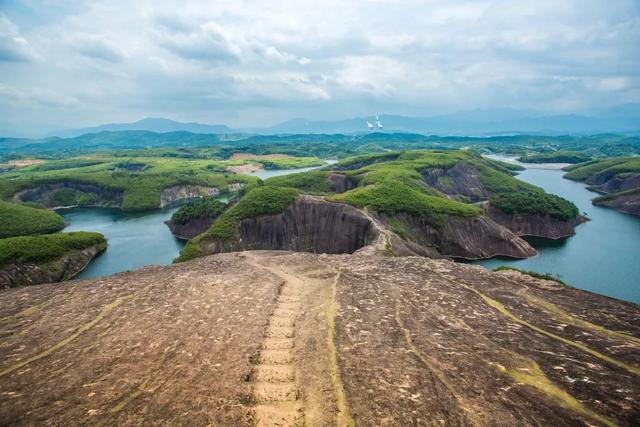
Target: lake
[
  {"x": 136, "y": 239},
  {"x": 603, "y": 256}
]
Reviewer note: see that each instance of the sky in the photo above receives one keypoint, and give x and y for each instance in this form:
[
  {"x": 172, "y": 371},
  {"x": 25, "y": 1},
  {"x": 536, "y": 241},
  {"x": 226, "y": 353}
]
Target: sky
[{"x": 74, "y": 63}]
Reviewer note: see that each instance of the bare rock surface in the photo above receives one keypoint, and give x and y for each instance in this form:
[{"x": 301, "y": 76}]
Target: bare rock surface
[
  {"x": 280, "y": 338},
  {"x": 180, "y": 192},
  {"x": 625, "y": 203}
]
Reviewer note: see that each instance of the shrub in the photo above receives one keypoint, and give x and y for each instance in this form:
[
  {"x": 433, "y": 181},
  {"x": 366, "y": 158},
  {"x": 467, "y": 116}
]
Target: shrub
[
  {"x": 535, "y": 202},
  {"x": 207, "y": 207}
]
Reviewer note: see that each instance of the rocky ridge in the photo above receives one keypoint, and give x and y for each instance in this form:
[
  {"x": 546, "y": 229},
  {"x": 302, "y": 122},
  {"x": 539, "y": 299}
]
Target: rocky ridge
[{"x": 280, "y": 338}]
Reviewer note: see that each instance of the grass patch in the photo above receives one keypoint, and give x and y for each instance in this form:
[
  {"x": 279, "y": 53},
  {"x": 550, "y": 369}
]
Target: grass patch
[
  {"x": 543, "y": 276},
  {"x": 604, "y": 168},
  {"x": 20, "y": 220},
  {"x": 389, "y": 198},
  {"x": 556, "y": 157},
  {"x": 309, "y": 182},
  {"x": 46, "y": 247}
]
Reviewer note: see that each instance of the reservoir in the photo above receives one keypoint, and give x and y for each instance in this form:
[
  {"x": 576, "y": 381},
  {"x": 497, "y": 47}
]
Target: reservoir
[{"x": 604, "y": 254}]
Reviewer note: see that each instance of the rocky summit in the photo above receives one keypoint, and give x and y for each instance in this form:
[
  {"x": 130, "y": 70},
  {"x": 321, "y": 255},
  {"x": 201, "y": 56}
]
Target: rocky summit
[{"x": 275, "y": 338}]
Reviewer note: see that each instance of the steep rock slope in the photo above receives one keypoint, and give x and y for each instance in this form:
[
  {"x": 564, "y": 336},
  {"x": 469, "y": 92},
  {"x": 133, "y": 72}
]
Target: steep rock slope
[
  {"x": 313, "y": 224},
  {"x": 626, "y": 201},
  {"x": 535, "y": 224},
  {"x": 275, "y": 338}
]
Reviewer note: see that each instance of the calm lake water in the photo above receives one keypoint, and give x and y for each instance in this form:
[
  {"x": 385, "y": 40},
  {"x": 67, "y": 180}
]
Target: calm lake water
[
  {"x": 603, "y": 256},
  {"x": 135, "y": 239}
]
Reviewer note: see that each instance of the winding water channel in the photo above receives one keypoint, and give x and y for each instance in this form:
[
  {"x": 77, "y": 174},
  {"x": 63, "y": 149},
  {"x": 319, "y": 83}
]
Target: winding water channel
[{"x": 603, "y": 256}]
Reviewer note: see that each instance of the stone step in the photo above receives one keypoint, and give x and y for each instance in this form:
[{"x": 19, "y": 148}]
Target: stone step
[
  {"x": 273, "y": 373},
  {"x": 276, "y": 357},
  {"x": 275, "y": 392},
  {"x": 284, "y": 312},
  {"x": 284, "y": 414},
  {"x": 280, "y": 332},
  {"x": 277, "y": 343},
  {"x": 282, "y": 321}
]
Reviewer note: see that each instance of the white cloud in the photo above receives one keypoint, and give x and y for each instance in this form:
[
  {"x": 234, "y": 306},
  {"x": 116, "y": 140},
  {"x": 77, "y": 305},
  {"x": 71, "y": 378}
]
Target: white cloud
[
  {"x": 13, "y": 46},
  {"x": 250, "y": 62}
]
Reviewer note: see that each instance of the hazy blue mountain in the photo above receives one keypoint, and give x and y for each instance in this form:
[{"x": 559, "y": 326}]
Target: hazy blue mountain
[
  {"x": 623, "y": 118},
  {"x": 158, "y": 125},
  {"x": 504, "y": 121}
]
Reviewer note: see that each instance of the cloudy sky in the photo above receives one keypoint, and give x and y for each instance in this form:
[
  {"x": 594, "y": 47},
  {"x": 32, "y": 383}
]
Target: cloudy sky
[{"x": 75, "y": 63}]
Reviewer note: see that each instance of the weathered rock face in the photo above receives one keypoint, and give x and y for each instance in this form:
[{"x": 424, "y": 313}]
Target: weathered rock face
[
  {"x": 342, "y": 182},
  {"x": 619, "y": 183},
  {"x": 44, "y": 194},
  {"x": 65, "y": 268},
  {"x": 298, "y": 338},
  {"x": 459, "y": 180},
  {"x": 625, "y": 203},
  {"x": 468, "y": 238},
  {"x": 535, "y": 225},
  {"x": 311, "y": 224},
  {"x": 180, "y": 192},
  {"x": 191, "y": 229}
]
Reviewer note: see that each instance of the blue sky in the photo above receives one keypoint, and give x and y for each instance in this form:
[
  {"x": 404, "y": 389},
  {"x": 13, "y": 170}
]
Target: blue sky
[{"x": 73, "y": 63}]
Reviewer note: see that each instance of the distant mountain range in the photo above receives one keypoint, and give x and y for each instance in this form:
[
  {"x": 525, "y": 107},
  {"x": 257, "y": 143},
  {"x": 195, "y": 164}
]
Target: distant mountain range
[
  {"x": 150, "y": 124},
  {"x": 623, "y": 118}
]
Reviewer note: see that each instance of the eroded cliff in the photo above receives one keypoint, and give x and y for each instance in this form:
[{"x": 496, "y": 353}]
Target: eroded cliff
[
  {"x": 313, "y": 224},
  {"x": 69, "y": 193},
  {"x": 535, "y": 225},
  {"x": 180, "y": 192}
]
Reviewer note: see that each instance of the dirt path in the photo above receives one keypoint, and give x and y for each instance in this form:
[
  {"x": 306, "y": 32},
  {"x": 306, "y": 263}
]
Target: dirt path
[{"x": 274, "y": 374}]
